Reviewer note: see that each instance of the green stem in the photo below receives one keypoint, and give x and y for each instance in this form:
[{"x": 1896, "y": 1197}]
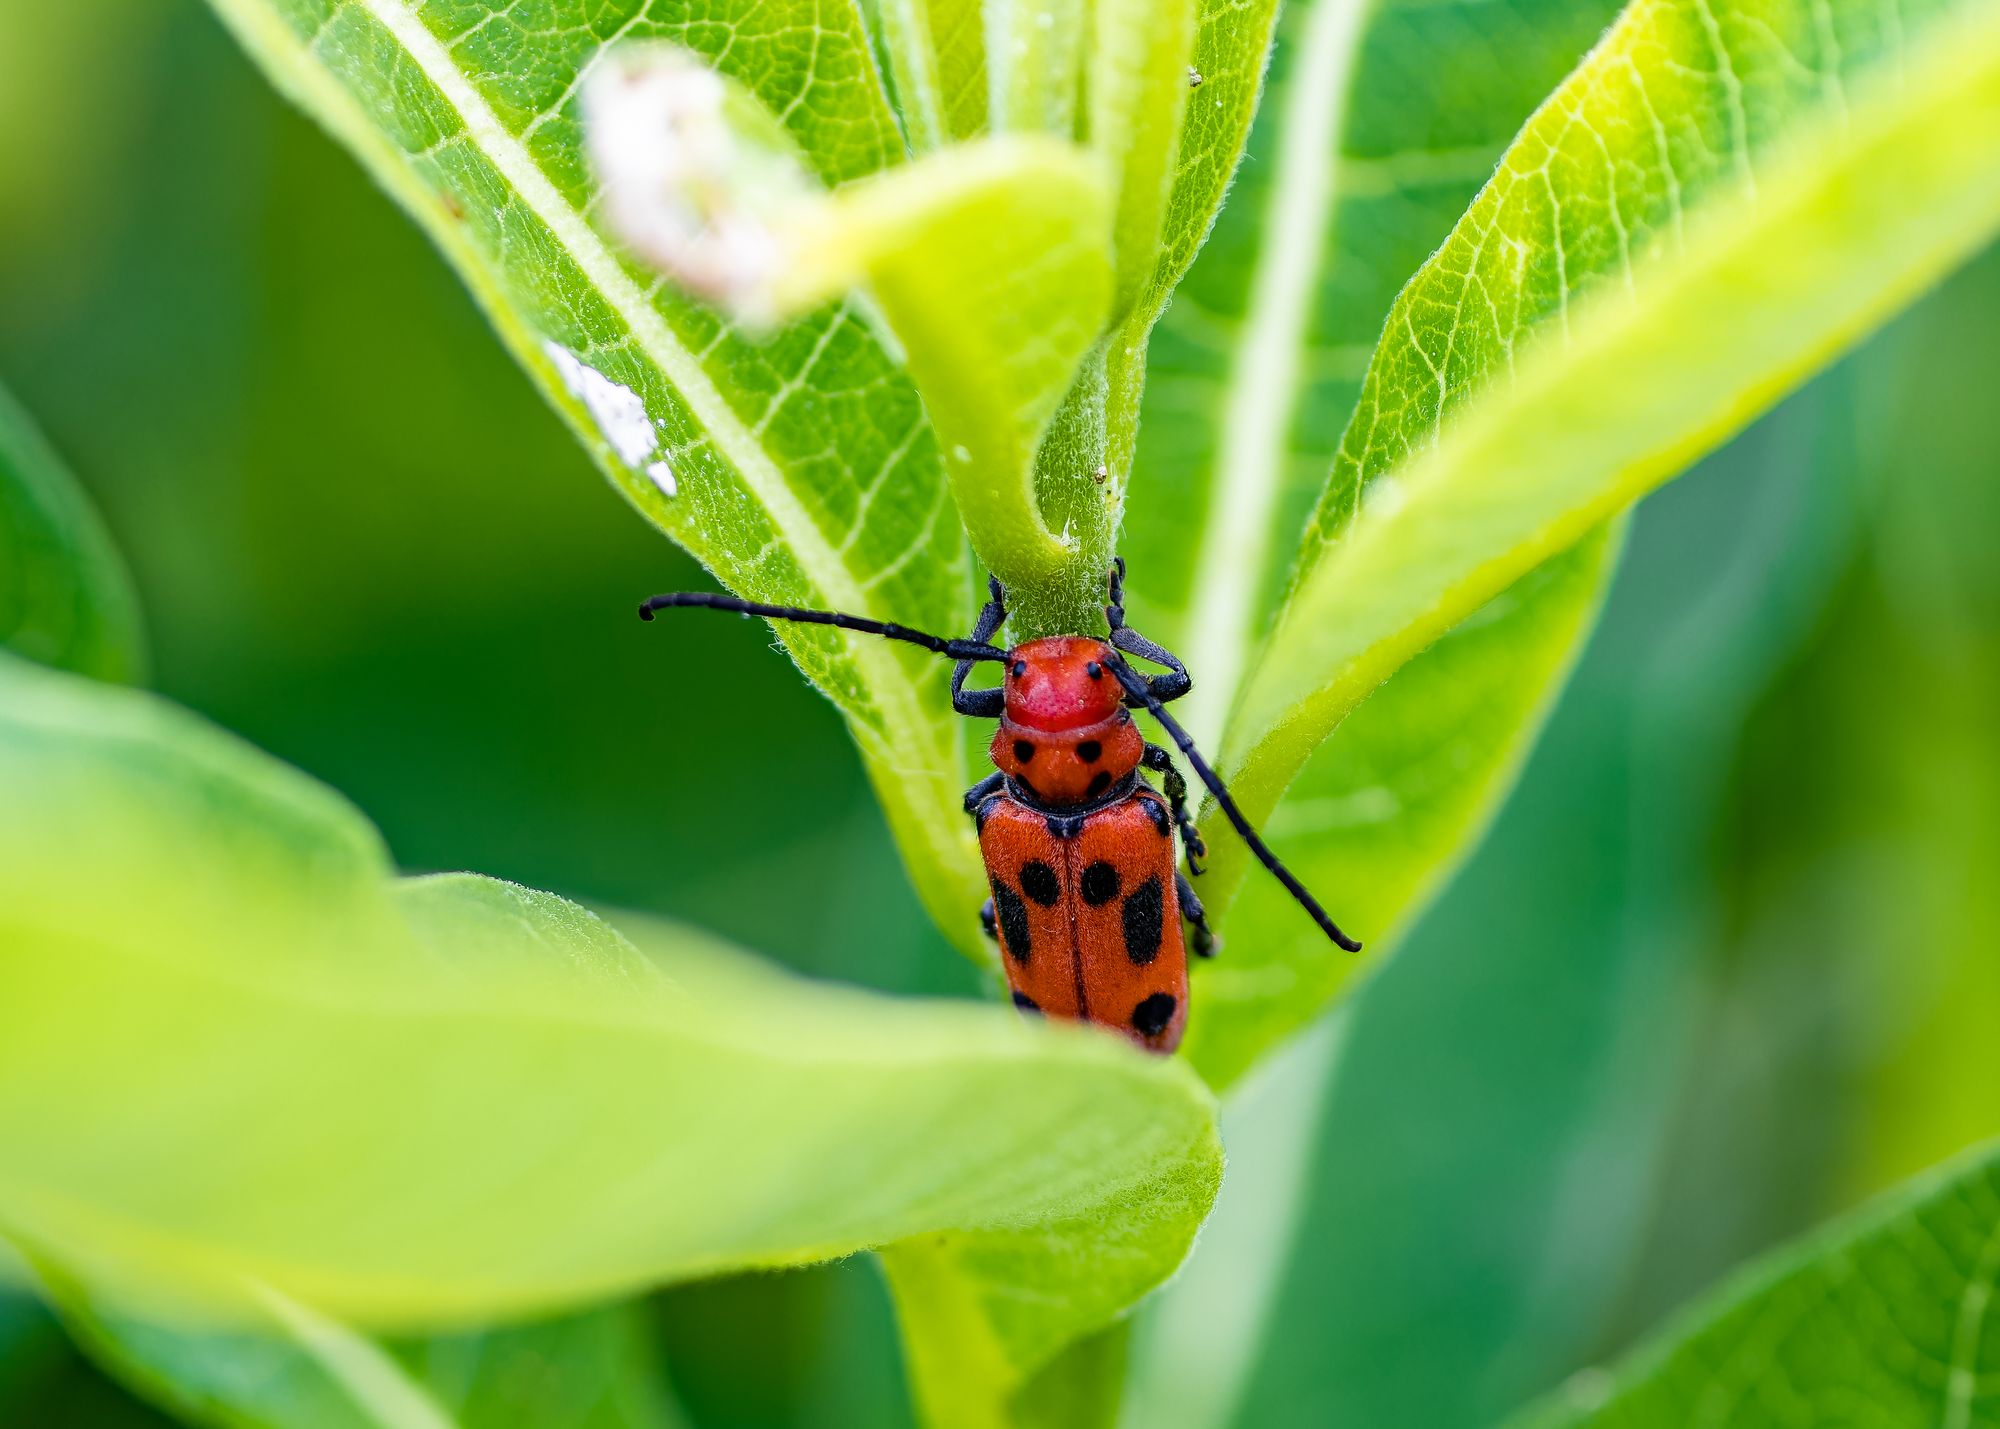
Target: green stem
[{"x": 1080, "y": 505}]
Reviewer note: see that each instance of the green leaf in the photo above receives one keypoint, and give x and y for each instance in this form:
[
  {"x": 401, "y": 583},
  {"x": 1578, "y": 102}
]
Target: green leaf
[
  {"x": 267, "y": 1067},
  {"x": 1355, "y": 176},
  {"x": 989, "y": 261},
  {"x": 799, "y": 465},
  {"x": 65, "y": 599},
  {"x": 1715, "y": 201},
  {"x": 594, "y": 1370},
  {"x": 1881, "y": 1318},
  {"x": 1139, "y": 85},
  {"x": 937, "y": 55},
  {"x": 1232, "y": 41},
  {"x": 1034, "y": 56},
  {"x": 992, "y": 264}
]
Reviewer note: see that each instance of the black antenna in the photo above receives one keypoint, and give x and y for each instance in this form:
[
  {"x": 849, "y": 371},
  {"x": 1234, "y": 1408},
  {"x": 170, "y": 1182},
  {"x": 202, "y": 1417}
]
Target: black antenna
[
  {"x": 706, "y": 600},
  {"x": 1137, "y": 687}
]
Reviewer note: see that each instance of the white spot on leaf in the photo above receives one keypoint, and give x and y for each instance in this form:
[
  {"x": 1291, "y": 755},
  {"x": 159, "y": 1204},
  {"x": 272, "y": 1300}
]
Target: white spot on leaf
[{"x": 618, "y": 411}]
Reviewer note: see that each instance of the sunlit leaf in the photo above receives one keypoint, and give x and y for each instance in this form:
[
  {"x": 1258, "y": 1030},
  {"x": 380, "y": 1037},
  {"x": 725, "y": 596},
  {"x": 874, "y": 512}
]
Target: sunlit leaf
[
  {"x": 1232, "y": 41},
  {"x": 799, "y": 466},
  {"x": 989, "y": 261},
  {"x": 1139, "y": 87},
  {"x": 65, "y": 599},
  {"x": 1355, "y": 176},
  {"x": 937, "y": 56},
  {"x": 1621, "y": 297},
  {"x": 992, "y": 264},
  {"x": 1034, "y": 56},
  {"x": 1880, "y": 1319},
  {"x": 262, "y": 1066}
]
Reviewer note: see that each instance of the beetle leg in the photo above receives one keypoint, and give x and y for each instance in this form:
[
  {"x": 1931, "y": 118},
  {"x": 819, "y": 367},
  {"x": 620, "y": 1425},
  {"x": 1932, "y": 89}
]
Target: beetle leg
[
  {"x": 982, "y": 791},
  {"x": 981, "y": 704},
  {"x": 1204, "y": 942},
  {"x": 1156, "y": 758},
  {"x": 1170, "y": 686}
]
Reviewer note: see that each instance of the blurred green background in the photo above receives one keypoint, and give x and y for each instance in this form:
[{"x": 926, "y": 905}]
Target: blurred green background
[{"x": 1727, "y": 963}]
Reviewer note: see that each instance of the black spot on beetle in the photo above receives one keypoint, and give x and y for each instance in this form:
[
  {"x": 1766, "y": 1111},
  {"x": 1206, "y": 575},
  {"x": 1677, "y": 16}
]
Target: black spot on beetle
[
  {"x": 1089, "y": 751},
  {"x": 1024, "y": 750},
  {"x": 1013, "y": 916},
  {"x": 1038, "y": 881},
  {"x": 1093, "y": 669},
  {"x": 1144, "y": 916},
  {"x": 1099, "y": 883},
  {"x": 1162, "y": 820},
  {"x": 1153, "y": 1014},
  {"x": 1026, "y": 1003},
  {"x": 1099, "y": 782}
]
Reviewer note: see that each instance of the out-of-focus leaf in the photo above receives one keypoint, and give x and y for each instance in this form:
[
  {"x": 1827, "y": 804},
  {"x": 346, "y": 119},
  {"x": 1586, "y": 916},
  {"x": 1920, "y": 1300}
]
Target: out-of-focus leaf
[
  {"x": 65, "y": 599},
  {"x": 1355, "y": 176},
  {"x": 237, "y": 1058},
  {"x": 1845, "y": 986},
  {"x": 1621, "y": 296},
  {"x": 1393, "y": 806},
  {"x": 1881, "y": 1319},
  {"x": 1034, "y": 53},
  {"x": 594, "y": 1370},
  {"x": 937, "y": 56},
  {"x": 798, "y": 467},
  {"x": 1480, "y": 1191}
]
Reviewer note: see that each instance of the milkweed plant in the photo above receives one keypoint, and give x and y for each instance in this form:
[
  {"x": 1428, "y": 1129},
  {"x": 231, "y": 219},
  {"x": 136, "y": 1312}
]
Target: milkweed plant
[{"x": 1355, "y": 332}]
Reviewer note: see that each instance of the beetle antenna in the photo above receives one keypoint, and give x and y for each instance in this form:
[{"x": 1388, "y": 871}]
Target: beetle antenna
[
  {"x": 709, "y": 600},
  {"x": 1136, "y": 686}
]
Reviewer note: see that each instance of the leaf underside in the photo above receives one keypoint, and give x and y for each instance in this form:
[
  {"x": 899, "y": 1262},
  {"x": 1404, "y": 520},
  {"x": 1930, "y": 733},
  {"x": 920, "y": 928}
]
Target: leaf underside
[{"x": 287, "y": 1073}]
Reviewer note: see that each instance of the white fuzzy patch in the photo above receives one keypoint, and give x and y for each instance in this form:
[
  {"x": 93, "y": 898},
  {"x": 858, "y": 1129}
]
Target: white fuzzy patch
[
  {"x": 616, "y": 408},
  {"x": 663, "y": 477},
  {"x": 690, "y": 182}
]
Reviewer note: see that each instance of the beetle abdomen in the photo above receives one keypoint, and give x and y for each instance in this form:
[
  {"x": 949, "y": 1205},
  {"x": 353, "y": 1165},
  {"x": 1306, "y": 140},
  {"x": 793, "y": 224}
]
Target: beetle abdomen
[{"x": 1088, "y": 915}]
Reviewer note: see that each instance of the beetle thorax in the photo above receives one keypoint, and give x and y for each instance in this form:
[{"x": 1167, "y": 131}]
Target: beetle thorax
[{"x": 1066, "y": 737}]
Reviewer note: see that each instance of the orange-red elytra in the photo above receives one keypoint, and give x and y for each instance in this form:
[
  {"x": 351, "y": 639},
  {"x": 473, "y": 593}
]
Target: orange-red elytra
[{"x": 1079, "y": 846}]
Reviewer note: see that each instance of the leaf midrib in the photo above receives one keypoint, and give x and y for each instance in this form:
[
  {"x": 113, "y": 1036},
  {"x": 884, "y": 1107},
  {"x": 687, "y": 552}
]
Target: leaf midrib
[
  {"x": 906, "y": 749},
  {"x": 725, "y": 430}
]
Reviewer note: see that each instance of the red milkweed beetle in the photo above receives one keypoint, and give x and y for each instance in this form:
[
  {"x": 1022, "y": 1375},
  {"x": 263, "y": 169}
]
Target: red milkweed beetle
[{"x": 1078, "y": 844}]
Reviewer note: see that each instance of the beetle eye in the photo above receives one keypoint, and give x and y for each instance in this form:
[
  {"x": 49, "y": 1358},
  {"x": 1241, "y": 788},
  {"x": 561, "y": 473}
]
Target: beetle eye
[
  {"x": 1020, "y": 668},
  {"x": 1094, "y": 670}
]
